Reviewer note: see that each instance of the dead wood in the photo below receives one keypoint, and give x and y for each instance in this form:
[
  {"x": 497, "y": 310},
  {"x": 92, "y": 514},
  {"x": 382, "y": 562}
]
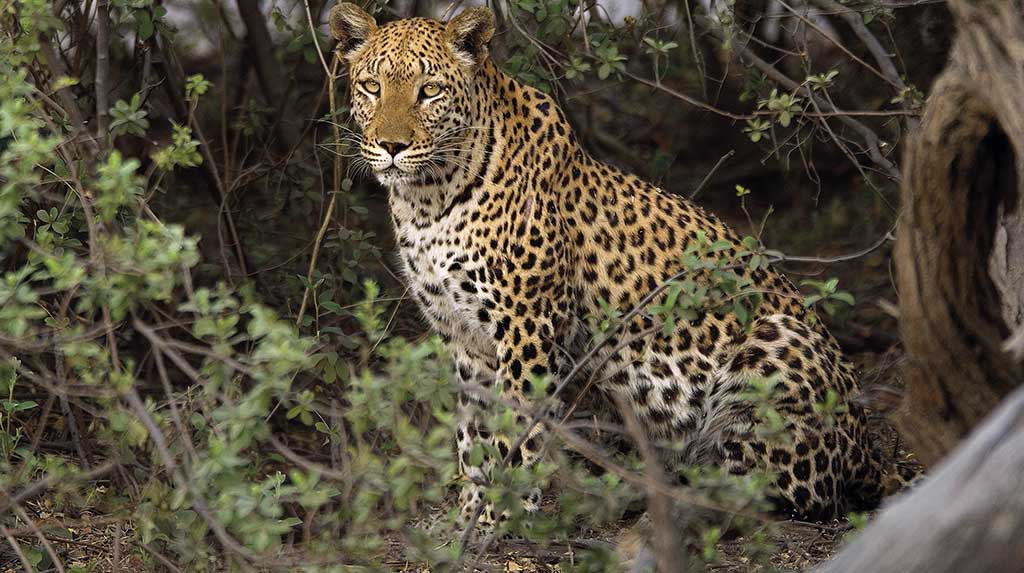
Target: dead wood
[{"x": 961, "y": 189}]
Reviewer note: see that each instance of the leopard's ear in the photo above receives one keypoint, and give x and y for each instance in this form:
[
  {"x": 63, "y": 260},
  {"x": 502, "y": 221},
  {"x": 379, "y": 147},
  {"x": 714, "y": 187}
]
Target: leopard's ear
[
  {"x": 470, "y": 32},
  {"x": 351, "y": 26}
]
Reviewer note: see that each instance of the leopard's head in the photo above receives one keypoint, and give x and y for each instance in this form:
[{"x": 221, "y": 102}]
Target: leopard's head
[{"x": 412, "y": 85}]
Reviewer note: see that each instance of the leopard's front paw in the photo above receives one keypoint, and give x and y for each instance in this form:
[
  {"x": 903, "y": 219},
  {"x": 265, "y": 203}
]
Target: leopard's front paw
[
  {"x": 488, "y": 521},
  {"x": 471, "y": 514}
]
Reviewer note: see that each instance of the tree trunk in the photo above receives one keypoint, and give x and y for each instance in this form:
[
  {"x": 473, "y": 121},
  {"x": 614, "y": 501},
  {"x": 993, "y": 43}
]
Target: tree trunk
[{"x": 959, "y": 251}]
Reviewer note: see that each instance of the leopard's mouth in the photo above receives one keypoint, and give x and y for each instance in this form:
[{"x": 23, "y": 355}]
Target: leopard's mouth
[{"x": 394, "y": 175}]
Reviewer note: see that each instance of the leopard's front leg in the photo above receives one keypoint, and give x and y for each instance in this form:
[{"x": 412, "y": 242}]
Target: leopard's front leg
[
  {"x": 475, "y": 378},
  {"x": 526, "y": 353}
]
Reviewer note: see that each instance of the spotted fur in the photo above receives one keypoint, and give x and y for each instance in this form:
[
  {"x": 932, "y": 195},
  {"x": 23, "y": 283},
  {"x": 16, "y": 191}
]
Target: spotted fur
[{"x": 510, "y": 235}]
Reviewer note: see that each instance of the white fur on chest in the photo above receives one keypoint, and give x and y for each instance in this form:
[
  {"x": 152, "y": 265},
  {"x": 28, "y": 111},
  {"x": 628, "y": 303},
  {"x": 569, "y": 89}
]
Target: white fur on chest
[{"x": 446, "y": 283}]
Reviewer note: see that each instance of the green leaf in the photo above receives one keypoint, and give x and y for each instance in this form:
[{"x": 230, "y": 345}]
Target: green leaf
[
  {"x": 332, "y": 307},
  {"x": 740, "y": 310},
  {"x": 14, "y": 406},
  {"x": 144, "y": 25},
  {"x": 845, "y": 297},
  {"x": 476, "y": 455}
]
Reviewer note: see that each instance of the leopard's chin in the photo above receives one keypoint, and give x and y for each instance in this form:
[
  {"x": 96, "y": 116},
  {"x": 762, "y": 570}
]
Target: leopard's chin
[
  {"x": 393, "y": 176},
  {"x": 422, "y": 176}
]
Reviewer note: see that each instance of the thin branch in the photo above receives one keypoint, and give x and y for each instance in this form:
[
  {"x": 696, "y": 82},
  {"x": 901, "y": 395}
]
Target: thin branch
[
  {"x": 714, "y": 170},
  {"x": 47, "y": 546},
  {"x": 159, "y": 557},
  {"x": 871, "y": 141},
  {"x": 102, "y": 68},
  {"x": 881, "y": 56},
  {"x": 68, "y": 103},
  {"x": 302, "y": 462},
  {"x": 174, "y": 86},
  {"x": 697, "y": 56},
  {"x": 810, "y": 23},
  {"x": 49, "y": 481},
  {"x": 690, "y": 100},
  {"x": 336, "y": 189},
  {"x": 268, "y": 69},
  {"x": 160, "y": 443},
  {"x": 889, "y": 236},
  {"x": 316, "y": 39},
  {"x": 16, "y": 547},
  {"x": 668, "y": 553}
]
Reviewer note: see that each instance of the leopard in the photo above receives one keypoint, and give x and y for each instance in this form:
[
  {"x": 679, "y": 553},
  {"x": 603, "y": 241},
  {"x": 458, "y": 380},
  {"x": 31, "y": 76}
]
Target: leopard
[{"x": 511, "y": 237}]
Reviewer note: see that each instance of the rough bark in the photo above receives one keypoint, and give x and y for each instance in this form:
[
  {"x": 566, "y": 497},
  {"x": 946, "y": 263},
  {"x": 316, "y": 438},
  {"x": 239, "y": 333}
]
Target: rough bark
[{"x": 960, "y": 235}]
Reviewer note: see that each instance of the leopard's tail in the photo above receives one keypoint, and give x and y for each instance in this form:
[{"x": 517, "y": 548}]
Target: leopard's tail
[{"x": 884, "y": 477}]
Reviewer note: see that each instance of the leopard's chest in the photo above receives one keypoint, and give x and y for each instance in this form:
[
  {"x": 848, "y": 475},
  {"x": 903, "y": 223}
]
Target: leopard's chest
[{"x": 449, "y": 283}]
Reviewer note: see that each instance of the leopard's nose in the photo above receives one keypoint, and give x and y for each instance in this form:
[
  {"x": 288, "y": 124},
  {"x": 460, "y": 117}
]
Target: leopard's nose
[{"x": 394, "y": 147}]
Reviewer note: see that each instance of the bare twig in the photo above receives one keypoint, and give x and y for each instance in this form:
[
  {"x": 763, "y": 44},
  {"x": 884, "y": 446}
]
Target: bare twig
[
  {"x": 102, "y": 68},
  {"x": 116, "y": 557},
  {"x": 16, "y": 547},
  {"x": 268, "y": 69},
  {"x": 335, "y": 190},
  {"x": 714, "y": 169},
  {"x": 659, "y": 506},
  {"x": 76, "y": 439},
  {"x": 810, "y": 23},
  {"x": 159, "y": 557},
  {"x": 68, "y": 103},
  {"x": 302, "y": 462},
  {"x": 49, "y": 481},
  {"x": 881, "y": 56},
  {"x": 162, "y": 346},
  {"x": 870, "y": 140},
  {"x": 316, "y": 39},
  {"x": 777, "y": 257},
  {"x": 175, "y": 87},
  {"x": 20, "y": 512},
  {"x": 688, "y": 99},
  {"x": 158, "y": 358},
  {"x": 697, "y": 56}
]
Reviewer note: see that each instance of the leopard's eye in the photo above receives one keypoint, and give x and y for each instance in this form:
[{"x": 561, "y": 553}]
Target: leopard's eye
[
  {"x": 430, "y": 90},
  {"x": 371, "y": 87}
]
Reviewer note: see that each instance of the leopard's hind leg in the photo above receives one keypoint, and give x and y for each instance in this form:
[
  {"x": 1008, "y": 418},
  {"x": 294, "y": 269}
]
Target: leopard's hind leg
[{"x": 820, "y": 455}]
